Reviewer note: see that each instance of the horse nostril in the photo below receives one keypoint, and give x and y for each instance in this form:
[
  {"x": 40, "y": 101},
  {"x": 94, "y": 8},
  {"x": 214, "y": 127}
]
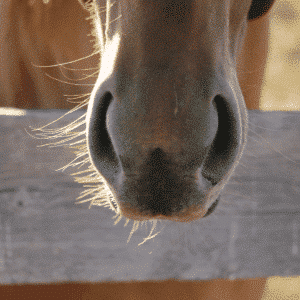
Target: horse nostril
[
  {"x": 225, "y": 144},
  {"x": 100, "y": 146},
  {"x": 102, "y": 139}
]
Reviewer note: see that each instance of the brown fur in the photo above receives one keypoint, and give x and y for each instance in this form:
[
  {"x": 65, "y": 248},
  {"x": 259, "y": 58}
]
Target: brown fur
[{"x": 43, "y": 35}]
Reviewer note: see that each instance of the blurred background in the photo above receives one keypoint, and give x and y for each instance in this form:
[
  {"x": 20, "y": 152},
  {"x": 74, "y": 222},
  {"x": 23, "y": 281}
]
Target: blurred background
[{"x": 281, "y": 90}]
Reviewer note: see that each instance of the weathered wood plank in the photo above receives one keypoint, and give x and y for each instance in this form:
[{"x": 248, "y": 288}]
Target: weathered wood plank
[{"x": 45, "y": 237}]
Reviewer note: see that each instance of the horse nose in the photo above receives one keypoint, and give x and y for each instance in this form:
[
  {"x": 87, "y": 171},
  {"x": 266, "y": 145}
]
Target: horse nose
[{"x": 161, "y": 156}]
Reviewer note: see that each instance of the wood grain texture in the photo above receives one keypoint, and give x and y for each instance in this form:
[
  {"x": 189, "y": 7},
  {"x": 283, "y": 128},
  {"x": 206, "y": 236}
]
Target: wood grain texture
[{"x": 45, "y": 237}]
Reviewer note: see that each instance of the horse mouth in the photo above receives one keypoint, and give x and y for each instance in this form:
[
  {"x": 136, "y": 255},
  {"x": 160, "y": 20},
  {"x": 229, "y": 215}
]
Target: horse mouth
[{"x": 173, "y": 205}]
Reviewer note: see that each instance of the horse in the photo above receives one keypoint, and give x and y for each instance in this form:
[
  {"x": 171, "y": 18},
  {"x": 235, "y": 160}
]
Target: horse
[{"x": 166, "y": 121}]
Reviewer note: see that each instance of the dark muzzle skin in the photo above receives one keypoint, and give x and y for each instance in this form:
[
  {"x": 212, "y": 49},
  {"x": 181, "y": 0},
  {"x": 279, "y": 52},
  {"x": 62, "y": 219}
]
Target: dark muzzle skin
[{"x": 167, "y": 122}]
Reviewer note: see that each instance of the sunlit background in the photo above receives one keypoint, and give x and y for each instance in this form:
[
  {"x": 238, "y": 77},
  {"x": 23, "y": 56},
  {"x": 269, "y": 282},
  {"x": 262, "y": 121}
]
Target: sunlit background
[
  {"x": 281, "y": 91},
  {"x": 282, "y": 77}
]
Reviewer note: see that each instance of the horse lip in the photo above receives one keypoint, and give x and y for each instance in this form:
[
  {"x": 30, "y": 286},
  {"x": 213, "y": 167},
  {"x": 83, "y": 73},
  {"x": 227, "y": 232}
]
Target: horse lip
[{"x": 133, "y": 179}]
